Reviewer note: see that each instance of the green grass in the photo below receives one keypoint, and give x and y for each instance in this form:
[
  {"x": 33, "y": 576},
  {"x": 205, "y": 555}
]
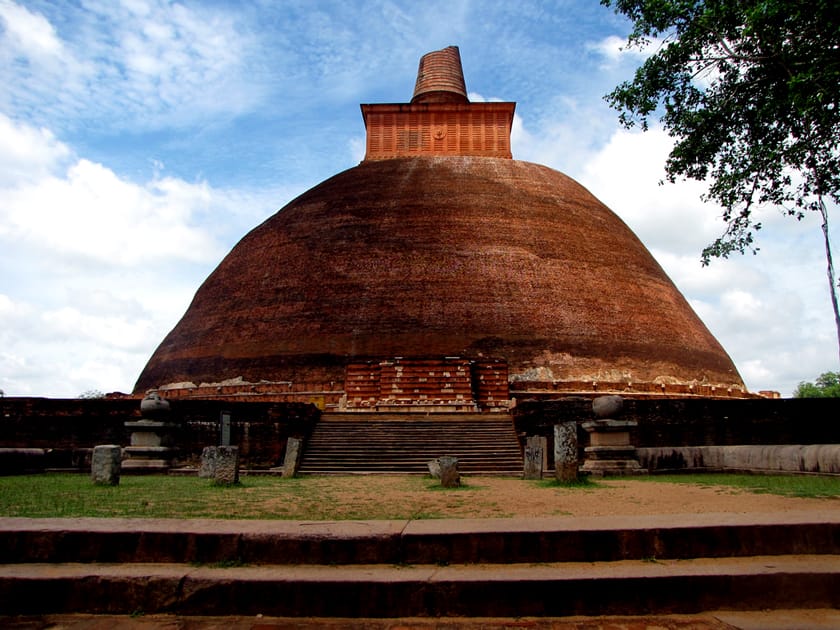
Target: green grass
[
  {"x": 806, "y": 486},
  {"x": 325, "y": 498},
  {"x": 584, "y": 483},
  {"x": 255, "y": 497}
]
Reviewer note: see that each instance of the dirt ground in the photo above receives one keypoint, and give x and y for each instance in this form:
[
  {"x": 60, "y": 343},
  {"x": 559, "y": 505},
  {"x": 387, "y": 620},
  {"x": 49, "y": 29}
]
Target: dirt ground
[
  {"x": 633, "y": 497},
  {"x": 377, "y": 497}
]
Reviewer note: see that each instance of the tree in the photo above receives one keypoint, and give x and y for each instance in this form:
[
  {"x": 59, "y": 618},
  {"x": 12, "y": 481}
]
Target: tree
[
  {"x": 750, "y": 91},
  {"x": 827, "y": 386},
  {"x": 91, "y": 394}
]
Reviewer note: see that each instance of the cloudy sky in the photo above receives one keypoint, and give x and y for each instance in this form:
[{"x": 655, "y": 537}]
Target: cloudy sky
[{"x": 141, "y": 139}]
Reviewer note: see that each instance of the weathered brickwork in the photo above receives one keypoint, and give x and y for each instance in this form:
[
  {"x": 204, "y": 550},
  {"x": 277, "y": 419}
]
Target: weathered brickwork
[
  {"x": 478, "y": 129},
  {"x": 520, "y": 263},
  {"x": 440, "y": 78},
  {"x": 415, "y": 384}
]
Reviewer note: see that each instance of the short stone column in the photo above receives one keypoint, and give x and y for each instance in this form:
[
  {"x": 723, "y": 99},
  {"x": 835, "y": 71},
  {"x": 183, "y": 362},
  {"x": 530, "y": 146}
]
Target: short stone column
[
  {"x": 207, "y": 467},
  {"x": 565, "y": 452},
  {"x": 292, "y": 459},
  {"x": 105, "y": 465},
  {"x": 227, "y": 465},
  {"x": 610, "y": 451},
  {"x": 534, "y": 457},
  {"x": 450, "y": 477},
  {"x": 151, "y": 449}
]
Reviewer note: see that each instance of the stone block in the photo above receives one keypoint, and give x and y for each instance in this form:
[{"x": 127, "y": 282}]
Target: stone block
[
  {"x": 227, "y": 465},
  {"x": 534, "y": 457},
  {"x": 434, "y": 468},
  {"x": 294, "y": 449},
  {"x": 105, "y": 464},
  {"x": 607, "y": 406},
  {"x": 565, "y": 451},
  {"x": 207, "y": 467},
  {"x": 450, "y": 477}
]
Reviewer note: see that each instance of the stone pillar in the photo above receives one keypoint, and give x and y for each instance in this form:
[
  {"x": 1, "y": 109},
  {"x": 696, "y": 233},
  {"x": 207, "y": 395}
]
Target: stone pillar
[
  {"x": 292, "y": 459},
  {"x": 105, "y": 465},
  {"x": 565, "y": 452},
  {"x": 610, "y": 451},
  {"x": 151, "y": 449},
  {"x": 224, "y": 429},
  {"x": 227, "y": 465},
  {"x": 449, "y": 475},
  {"x": 207, "y": 468},
  {"x": 534, "y": 457}
]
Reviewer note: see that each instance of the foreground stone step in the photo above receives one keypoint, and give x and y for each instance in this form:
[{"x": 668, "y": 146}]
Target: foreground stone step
[
  {"x": 404, "y": 542},
  {"x": 624, "y": 587},
  {"x": 814, "y": 618}
]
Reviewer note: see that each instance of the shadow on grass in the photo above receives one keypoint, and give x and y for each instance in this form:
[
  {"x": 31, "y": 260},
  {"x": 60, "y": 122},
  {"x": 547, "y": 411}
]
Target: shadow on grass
[
  {"x": 583, "y": 483},
  {"x": 434, "y": 484}
]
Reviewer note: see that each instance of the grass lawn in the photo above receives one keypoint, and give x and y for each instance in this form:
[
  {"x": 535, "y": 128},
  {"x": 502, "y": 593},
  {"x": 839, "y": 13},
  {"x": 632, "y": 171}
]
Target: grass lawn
[
  {"x": 806, "y": 486},
  {"x": 342, "y": 498},
  {"x": 255, "y": 497}
]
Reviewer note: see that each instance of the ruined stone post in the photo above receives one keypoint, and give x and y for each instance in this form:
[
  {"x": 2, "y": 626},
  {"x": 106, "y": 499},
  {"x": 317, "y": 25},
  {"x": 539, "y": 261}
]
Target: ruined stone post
[
  {"x": 227, "y": 465},
  {"x": 207, "y": 468},
  {"x": 292, "y": 459},
  {"x": 434, "y": 468},
  {"x": 566, "y": 451},
  {"x": 534, "y": 456},
  {"x": 449, "y": 475},
  {"x": 105, "y": 465},
  {"x": 610, "y": 451}
]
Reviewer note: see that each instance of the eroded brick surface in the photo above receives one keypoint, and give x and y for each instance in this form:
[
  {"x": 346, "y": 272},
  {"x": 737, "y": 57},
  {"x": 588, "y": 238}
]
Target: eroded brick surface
[{"x": 470, "y": 257}]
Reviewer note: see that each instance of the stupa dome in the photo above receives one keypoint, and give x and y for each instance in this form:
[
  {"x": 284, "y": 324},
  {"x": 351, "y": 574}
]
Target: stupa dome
[{"x": 442, "y": 260}]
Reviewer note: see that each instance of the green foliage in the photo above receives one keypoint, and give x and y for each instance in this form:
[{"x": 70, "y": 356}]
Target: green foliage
[
  {"x": 826, "y": 386},
  {"x": 91, "y": 394},
  {"x": 750, "y": 90}
]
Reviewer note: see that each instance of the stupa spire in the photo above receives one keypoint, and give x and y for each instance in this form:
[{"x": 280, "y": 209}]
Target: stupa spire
[
  {"x": 440, "y": 78},
  {"x": 439, "y": 120}
]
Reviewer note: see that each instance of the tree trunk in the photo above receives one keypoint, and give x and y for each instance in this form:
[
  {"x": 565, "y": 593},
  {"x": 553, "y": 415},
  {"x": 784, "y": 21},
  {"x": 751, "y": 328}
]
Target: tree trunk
[{"x": 830, "y": 270}]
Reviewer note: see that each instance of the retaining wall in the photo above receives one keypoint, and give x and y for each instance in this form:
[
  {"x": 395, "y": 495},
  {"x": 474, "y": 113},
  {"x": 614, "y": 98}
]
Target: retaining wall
[
  {"x": 789, "y": 458},
  {"x": 67, "y": 429},
  {"x": 672, "y": 432}
]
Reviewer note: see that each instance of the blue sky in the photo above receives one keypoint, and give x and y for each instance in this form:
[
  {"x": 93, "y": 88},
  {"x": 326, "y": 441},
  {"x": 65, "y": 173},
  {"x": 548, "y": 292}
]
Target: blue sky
[{"x": 141, "y": 139}]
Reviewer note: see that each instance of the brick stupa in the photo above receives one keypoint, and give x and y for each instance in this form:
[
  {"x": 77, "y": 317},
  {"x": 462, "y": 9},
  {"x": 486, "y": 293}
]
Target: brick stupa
[{"x": 439, "y": 274}]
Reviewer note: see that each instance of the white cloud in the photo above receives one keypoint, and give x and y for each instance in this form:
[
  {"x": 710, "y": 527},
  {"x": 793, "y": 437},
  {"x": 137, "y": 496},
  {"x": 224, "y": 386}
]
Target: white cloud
[
  {"x": 90, "y": 213},
  {"x": 27, "y": 153},
  {"x": 135, "y": 64},
  {"x": 29, "y": 33},
  {"x": 96, "y": 268},
  {"x": 614, "y": 51}
]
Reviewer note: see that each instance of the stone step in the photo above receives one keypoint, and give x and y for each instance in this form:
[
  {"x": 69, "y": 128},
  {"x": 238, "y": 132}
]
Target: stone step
[
  {"x": 405, "y": 442},
  {"x": 431, "y": 541},
  {"x": 428, "y": 568},
  {"x": 624, "y": 587}
]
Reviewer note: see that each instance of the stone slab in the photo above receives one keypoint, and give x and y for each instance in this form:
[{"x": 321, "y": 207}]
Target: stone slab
[
  {"x": 795, "y": 458},
  {"x": 291, "y": 462},
  {"x": 105, "y": 464},
  {"x": 802, "y": 619},
  {"x": 623, "y": 587},
  {"x": 498, "y": 541}
]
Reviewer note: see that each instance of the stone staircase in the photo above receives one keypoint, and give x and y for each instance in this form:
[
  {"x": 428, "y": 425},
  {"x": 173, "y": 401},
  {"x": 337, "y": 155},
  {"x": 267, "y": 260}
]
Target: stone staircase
[
  {"x": 403, "y": 443},
  {"x": 512, "y": 568}
]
